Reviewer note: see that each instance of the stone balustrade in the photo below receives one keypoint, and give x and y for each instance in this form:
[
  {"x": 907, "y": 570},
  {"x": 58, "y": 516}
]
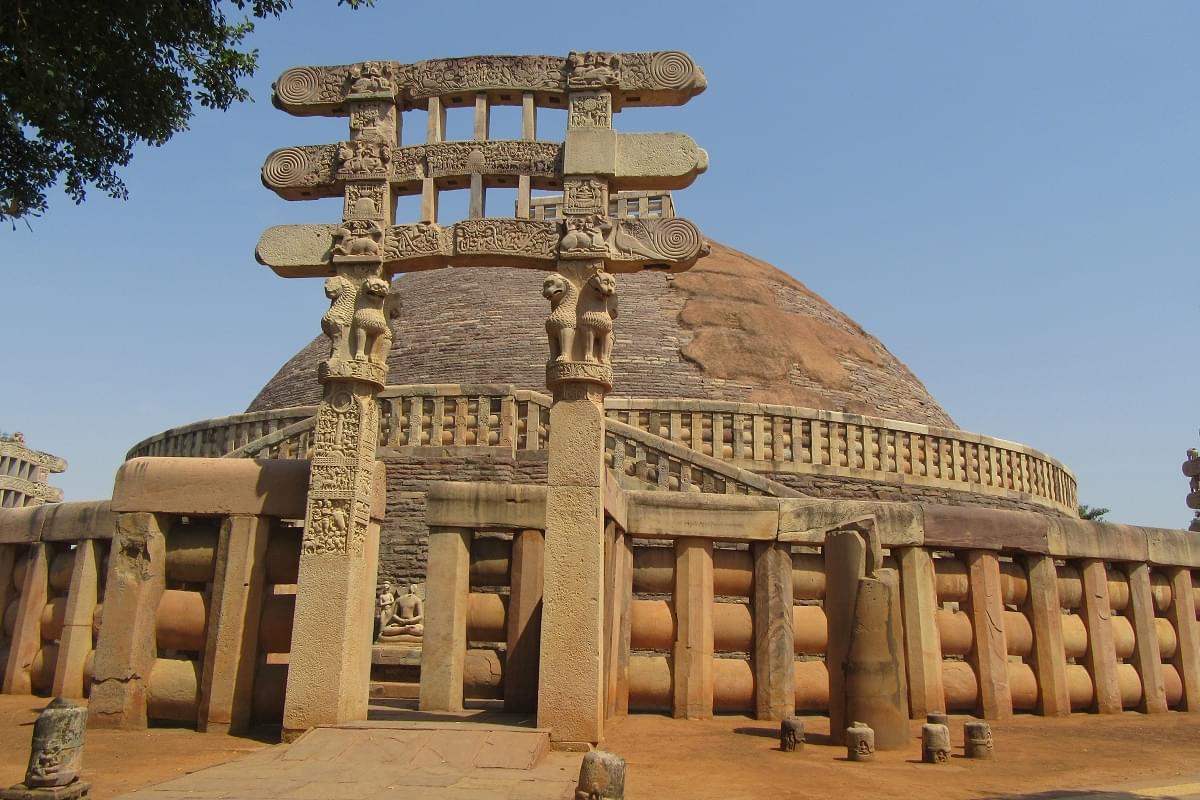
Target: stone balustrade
[
  {"x": 1005, "y": 611},
  {"x": 763, "y": 444}
]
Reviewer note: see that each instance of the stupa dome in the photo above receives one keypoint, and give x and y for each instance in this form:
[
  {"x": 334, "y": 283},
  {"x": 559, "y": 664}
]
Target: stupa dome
[{"x": 733, "y": 328}]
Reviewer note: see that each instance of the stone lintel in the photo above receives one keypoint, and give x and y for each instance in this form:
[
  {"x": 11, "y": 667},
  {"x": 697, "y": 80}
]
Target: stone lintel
[
  {"x": 224, "y": 486},
  {"x": 485, "y": 505},
  {"x": 711, "y": 516},
  {"x": 807, "y": 521}
]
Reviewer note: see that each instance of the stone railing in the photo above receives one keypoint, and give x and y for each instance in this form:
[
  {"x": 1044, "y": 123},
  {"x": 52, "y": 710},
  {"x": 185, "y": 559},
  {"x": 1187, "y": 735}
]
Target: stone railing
[
  {"x": 1080, "y": 616},
  {"x": 788, "y": 439},
  {"x": 214, "y": 438},
  {"x": 754, "y": 440}
]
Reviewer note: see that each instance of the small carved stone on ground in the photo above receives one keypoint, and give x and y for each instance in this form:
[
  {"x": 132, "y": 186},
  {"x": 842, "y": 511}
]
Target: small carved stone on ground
[
  {"x": 860, "y": 742},
  {"x": 601, "y": 777},
  {"x": 56, "y": 755},
  {"x": 978, "y": 739},
  {"x": 935, "y": 744},
  {"x": 938, "y": 718},
  {"x": 791, "y": 734}
]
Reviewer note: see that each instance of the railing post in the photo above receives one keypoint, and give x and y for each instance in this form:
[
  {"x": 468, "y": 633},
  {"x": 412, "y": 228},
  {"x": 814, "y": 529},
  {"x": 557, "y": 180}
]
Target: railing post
[
  {"x": 845, "y": 562},
  {"x": 774, "y": 633},
  {"x": 1146, "y": 656},
  {"x": 1044, "y": 610},
  {"x": 923, "y": 647},
  {"x": 27, "y": 633},
  {"x": 137, "y": 574},
  {"x": 524, "y": 621},
  {"x": 444, "y": 648},
  {"x": 1101, "y": 659},
  {"x": 76, "y": 641},
  {"x": 989, "y": 647},
  {"x": 1187, "y": 635},
  {"x": 693, "y": 652},
  {"x": 231, "y": 649},
  {"x": 621, "y": 600}
]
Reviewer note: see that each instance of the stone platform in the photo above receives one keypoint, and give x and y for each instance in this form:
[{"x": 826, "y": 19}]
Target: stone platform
[{"x": 397, "y": 754}]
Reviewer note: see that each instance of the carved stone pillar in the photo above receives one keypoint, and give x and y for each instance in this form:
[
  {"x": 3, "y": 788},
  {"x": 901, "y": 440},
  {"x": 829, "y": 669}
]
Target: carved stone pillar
[
  {"x": 583, "y": 305},
  {"x": 330, "y": 663}
]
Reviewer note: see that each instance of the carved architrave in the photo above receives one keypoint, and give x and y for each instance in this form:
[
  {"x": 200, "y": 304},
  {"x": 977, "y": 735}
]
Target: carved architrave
[
  {"x": 590, "y": 110},
  {"x": 655, "y": 78},
  {"x": 626, "y": 245}
]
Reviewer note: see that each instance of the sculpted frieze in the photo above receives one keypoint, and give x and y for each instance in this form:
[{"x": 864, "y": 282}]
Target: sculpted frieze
[
  {"x": 490, "y": 158},
  {"x": 418, "y": 240},
  {"x": 478, "y": 73},
  {"x": 528, "y": 238},
  {"x": 13, "y": 448}
]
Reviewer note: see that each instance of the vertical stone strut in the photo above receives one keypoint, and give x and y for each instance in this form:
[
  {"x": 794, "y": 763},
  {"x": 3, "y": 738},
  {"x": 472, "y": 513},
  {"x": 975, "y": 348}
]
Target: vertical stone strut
[{"x": 330, "y": 658}]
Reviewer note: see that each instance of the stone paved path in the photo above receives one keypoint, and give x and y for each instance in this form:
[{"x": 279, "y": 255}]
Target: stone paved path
[{"x": 390, "y": 759}]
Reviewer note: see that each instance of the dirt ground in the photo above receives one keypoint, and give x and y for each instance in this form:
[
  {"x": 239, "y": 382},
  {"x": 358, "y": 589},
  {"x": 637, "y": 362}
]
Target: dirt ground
[
  {"x": 115, "y": 762},
  {"x": 737, "y": 757}
]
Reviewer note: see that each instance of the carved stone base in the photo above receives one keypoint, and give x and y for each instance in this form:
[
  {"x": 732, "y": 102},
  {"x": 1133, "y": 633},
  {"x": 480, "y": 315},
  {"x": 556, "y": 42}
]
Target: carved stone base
[
  {"x": 75, "y": 790},
  {"x": 557, "y": 373},
  {"x": 367, "y": 371}
]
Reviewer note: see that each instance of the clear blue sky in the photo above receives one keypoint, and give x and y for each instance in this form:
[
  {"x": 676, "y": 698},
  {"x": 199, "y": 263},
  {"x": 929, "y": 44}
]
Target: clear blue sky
[{"x": 1007, "y": 194}]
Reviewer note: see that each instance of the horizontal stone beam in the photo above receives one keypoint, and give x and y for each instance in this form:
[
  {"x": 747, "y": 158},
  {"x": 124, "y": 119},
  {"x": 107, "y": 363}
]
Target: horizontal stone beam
[
  {"x": 485, "y": 505},
  {"x": 57, "y": 522},
  {"x": 664, "y": 78},
  {"x": 223, "y": 486},
  {"x": 707, "y": 516},
  {"x": 629, "y": 245},
  {"x": 662, "y": 161},
  {"x": 311, "y": 171}
]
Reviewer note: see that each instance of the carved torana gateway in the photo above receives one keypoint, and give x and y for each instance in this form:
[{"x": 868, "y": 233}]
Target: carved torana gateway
[{"x": 329, "y": 664}]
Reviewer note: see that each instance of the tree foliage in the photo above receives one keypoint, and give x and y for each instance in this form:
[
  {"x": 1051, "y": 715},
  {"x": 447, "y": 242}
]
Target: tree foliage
[
  {"x": 1092, "y": 513},
  {"x": 82, "y": 82}
]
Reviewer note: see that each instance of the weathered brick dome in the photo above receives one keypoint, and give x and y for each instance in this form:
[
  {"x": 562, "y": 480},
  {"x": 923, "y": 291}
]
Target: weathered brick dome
[{"x": 733, "y": 328}]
